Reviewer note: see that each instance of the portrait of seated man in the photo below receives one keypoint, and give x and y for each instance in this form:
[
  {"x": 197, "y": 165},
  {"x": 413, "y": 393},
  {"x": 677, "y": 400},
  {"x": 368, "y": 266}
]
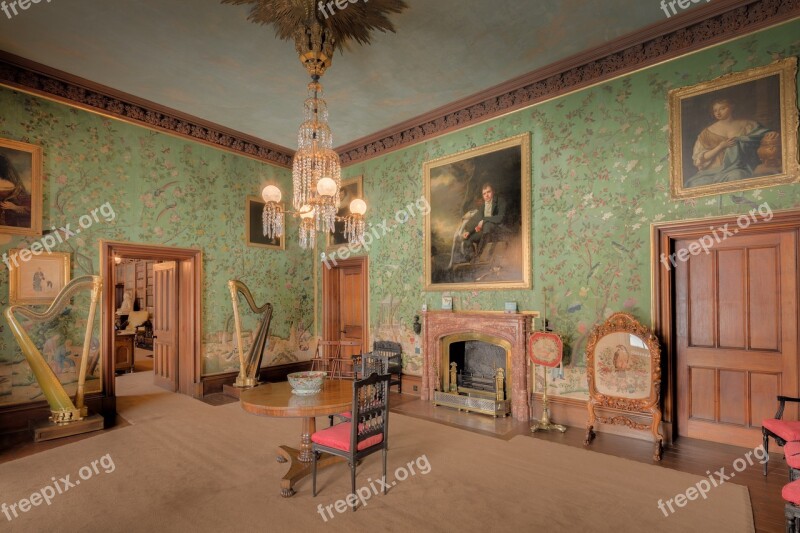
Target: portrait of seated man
[{"x": 478, "y": 226}]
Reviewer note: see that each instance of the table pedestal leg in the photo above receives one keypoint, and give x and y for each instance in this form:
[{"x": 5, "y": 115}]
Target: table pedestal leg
[{"x": 300, "y": 460}]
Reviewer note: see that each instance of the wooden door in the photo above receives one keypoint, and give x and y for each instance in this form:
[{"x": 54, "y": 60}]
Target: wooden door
[
  {"x": 165, "y": 326},
  {"x": 736, "y": 335},
  {"x": 346, "y": 303}
]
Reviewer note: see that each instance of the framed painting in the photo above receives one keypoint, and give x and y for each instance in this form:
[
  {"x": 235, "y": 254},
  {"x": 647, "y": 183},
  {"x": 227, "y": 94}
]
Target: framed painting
[
  {"x": 20, "y": 188},
  {"x": 623, "y": 369},
  {"x": 37, "y": 279},
  {"x": 254, "y": 226},
  {"x": 735, "y": 133},
  {"x": 349, "y": 190},
  {"x": 477, "y": 233}
]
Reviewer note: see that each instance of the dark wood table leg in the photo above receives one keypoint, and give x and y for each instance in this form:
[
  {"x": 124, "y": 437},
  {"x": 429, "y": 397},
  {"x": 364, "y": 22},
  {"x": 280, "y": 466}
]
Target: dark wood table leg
[{"x": 300, "y": 460}]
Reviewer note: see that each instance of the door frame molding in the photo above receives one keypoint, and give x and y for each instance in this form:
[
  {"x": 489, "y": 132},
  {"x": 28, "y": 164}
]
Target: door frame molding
[
  {"x": 663, "y": 236},
  {"x": 190, "y": 286},
  {"x": 328, "y": 313}
]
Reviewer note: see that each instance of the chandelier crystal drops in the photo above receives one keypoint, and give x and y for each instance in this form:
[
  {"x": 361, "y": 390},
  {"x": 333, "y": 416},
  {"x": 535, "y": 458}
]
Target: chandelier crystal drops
[{"x": 316, "y": 173}]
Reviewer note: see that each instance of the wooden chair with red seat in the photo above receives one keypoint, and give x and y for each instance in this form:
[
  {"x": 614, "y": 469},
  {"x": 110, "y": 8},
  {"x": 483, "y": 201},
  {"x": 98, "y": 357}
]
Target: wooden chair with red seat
[
  {"x": 791, "y": 493},
  {"x": 365, "y": 434},
  {"x": 782, "y": 431}
]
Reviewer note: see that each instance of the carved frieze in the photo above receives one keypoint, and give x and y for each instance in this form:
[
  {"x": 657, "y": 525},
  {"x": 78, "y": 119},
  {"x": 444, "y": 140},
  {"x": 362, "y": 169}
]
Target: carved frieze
[{"x": 729, "y": 24}]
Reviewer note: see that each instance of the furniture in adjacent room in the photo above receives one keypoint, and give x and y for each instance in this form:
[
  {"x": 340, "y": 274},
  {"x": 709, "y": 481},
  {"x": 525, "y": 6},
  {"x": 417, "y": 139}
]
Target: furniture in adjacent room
[
  {"x": 330, "y": 357},
  {"x": 277, "y": 400},
  {"x": 393, "y": 353},
  {"x": 367, "y": 433},
  {"x": 782, "y": 431},
  {"x": 123, "y": 351}
]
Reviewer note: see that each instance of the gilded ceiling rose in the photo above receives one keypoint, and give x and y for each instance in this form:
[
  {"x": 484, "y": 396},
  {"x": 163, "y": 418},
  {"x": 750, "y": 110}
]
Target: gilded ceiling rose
[{"x": 323, "y": 24}]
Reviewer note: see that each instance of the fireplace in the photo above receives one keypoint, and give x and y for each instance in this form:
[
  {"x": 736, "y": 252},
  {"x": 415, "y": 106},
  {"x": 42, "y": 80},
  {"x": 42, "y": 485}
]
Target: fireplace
[
  {"x": 473, "y": 369},
  {"x": 490, "y": 354}
]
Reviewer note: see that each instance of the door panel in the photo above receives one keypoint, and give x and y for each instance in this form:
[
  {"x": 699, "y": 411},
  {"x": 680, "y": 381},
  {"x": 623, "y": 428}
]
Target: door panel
[
  {"x": 736, "y": 328},
  {"x": 165, "y": 330},
  {"x": 351, "y": 302}
]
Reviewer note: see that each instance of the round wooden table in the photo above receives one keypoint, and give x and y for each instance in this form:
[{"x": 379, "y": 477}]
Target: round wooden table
[{"x": 278, "y": 400}]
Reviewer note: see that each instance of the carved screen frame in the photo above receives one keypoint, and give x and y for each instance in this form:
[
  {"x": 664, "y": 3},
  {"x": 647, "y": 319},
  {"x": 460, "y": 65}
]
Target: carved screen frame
[{"x": 649, "y": 405}]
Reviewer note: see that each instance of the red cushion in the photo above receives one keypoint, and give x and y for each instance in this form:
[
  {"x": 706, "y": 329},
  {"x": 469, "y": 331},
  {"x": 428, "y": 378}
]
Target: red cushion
[
  {"x": 338, "y": 437},
  {"x": 792, "y": 453},
  {"x": 786, "y": 429},
  {"x": 791, "y": 492},
  {"x": 347, "y": 414}
]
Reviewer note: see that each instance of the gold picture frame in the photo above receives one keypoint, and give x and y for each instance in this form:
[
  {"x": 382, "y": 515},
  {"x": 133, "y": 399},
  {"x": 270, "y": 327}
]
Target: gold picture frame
[
  {"x": 756, "y": 150},
  {"x": 623, "y": 370},
  {"x": 37, "y": 279},
  {"x": 20, "y": 188},
  {"x": 498, "y": 259},
  {"x": 349, "y": 190},
  {"x": 253, "y": 231}
]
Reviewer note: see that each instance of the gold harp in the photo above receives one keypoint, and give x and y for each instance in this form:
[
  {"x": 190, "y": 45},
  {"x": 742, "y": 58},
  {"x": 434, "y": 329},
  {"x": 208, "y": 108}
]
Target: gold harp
[
  {"x": 62, "y": 410},
  {"x": 249, "y": 366}
]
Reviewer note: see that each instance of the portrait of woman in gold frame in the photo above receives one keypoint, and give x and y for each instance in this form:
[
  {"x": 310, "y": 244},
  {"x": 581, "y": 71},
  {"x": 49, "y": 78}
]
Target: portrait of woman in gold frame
[
  {"x": 735, "y": 133},
  {"x": 37, "y": 279},
  {"x": 20, "y": 188},
  {"x": 477, "y": 233}
]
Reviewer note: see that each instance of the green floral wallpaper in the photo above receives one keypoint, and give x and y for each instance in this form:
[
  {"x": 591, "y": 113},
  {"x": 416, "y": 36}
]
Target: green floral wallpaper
[
  {"x": 165, "y": 191},
  {"x": 600, "y": 178}
]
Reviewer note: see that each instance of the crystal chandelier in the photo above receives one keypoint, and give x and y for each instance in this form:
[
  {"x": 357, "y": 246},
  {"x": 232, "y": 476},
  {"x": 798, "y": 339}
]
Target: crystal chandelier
[{"x": 316, "y": 171}]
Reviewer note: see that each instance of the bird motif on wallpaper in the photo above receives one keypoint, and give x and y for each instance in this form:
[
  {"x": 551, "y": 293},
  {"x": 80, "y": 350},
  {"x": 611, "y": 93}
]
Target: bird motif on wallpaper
[
  {"x": 161, "y": 190},
  {"x": 169, "y": 207}
]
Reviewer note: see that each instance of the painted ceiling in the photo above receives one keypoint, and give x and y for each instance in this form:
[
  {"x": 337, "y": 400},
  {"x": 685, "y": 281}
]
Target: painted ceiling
[{"x": 205, "y": 59}]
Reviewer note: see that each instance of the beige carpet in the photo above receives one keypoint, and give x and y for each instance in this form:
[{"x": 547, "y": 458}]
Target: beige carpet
[{"x": 187, "y": 466}]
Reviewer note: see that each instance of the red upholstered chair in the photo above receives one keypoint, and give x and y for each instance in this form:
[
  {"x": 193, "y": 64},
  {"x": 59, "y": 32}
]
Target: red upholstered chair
[
  {"x": 782, "y": 431},
  {"x": 367, "y": 433},
  {"x": 791, "y": 493}
]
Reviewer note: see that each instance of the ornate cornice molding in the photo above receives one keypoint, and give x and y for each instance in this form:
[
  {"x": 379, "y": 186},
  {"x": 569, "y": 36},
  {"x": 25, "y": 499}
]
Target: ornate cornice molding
[
  {"x": 30, "y": 77},
  {"x": 700, "y": 28}
]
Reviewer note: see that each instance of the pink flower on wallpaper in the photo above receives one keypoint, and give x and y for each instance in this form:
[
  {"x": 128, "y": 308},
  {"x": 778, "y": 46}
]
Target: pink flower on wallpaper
[
  {"x": 581, "y": 328},
  {"x": 61, "y": 180},
  {"x": 289, "y": 285},
  {"x": 630, "y": 302}
]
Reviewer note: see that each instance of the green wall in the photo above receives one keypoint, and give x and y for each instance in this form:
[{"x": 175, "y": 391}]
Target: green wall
[
  {"x": 600, "y": 179},
  {"x": 164, "y": 190}
]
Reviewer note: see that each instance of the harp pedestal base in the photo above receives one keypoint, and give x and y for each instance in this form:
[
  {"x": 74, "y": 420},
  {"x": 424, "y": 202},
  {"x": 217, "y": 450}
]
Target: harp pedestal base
[
  {"x": 234, "y": 391},
  {"x": 43, "y": 431}
]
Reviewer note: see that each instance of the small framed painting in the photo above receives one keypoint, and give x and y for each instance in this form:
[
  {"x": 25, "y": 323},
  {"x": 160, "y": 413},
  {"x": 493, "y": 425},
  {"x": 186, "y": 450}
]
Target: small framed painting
[
  {"x": 37, "y": 279},
  {"x": 349, "y": 190},
  {"x": 254, "y": 226},
  {"x": 20, "y": 188}
]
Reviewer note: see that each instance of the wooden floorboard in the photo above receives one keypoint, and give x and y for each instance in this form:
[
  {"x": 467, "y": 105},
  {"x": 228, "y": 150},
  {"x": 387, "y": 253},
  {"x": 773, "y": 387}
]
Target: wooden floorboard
[{"x": 692, "y": 456}]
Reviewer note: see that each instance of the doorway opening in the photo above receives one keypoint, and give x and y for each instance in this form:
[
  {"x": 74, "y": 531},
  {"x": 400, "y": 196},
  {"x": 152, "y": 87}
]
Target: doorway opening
[
  {"x": 151, "y": 313},
  {"x": 345, "y": 303}
]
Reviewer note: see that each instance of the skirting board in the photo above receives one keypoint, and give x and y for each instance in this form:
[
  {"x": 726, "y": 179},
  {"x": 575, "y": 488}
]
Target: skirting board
[
  {"x": 574, "y": 413},
  {"x": 411, "y": 384}
]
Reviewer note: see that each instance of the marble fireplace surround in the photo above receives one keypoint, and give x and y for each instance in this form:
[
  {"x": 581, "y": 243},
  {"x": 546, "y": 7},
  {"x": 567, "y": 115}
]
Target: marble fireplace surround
[{"x": 511, "y": 327}]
